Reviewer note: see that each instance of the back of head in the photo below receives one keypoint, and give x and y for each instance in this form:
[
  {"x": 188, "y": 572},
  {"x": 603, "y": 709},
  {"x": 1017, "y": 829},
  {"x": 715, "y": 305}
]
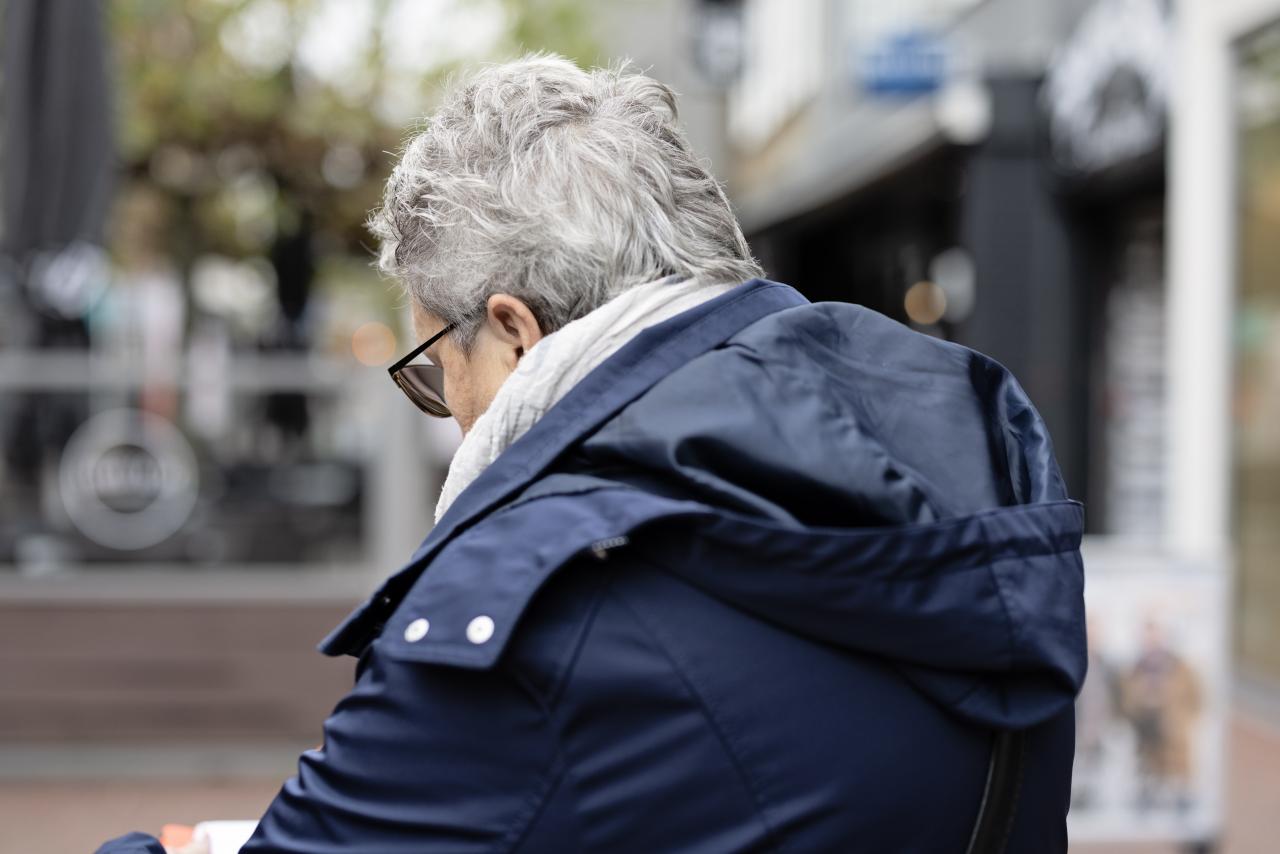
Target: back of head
[{"x": 560, "y": 186}]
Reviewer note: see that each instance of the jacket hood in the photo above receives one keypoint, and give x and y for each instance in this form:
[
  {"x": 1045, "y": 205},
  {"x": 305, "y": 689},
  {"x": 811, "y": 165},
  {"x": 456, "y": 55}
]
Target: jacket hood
[
  {"x": 820, "y": 466},
  {"x": 879, "y": 490}
]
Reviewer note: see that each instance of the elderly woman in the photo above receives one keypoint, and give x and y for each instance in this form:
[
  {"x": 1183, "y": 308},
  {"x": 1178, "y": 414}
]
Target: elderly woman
[{"x": 715, "y": 569}]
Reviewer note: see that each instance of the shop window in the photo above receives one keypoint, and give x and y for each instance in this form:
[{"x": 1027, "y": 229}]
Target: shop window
[{"x": 1256, "y": 402}]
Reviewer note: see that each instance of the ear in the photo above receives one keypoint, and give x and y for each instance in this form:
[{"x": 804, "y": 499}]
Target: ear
[{"x": 513, "y": 324}]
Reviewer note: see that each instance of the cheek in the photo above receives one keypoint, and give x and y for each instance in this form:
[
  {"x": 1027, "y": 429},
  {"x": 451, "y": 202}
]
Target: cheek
[
  {"x": 457, "y": 389},
  {"x": 460, "y": 392},
  {"x": 471, "y": 383}
]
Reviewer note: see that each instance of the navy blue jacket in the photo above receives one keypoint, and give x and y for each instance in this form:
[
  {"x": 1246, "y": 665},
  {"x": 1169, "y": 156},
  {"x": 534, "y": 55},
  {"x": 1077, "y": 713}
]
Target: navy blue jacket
[{"x": 768, "y": 579}]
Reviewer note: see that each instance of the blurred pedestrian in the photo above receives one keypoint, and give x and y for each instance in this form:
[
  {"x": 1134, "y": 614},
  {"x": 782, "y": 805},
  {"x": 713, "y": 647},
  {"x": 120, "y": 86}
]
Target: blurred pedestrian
[
  {"x": 1161, "y": 697},
  {"x": 715, "y": 569}
]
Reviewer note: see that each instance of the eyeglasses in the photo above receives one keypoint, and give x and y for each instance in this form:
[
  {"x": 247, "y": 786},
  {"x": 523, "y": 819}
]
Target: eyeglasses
[{"x": 423, "y": 383}]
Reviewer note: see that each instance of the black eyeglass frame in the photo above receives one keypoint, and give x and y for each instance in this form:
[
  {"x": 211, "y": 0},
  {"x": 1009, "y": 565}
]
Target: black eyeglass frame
[{"x": 423, "y": 384}]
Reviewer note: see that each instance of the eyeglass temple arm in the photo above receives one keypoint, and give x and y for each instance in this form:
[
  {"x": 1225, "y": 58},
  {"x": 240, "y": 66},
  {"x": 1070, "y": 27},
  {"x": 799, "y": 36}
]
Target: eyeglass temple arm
[{"x": 413, "y": 354}]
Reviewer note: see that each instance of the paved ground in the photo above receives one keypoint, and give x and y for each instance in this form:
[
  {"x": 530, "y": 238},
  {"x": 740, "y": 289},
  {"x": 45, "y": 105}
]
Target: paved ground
[{"x": 70, "y": 817}]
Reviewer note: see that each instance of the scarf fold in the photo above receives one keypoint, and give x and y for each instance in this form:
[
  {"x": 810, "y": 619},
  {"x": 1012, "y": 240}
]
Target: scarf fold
[{"x": 558, "y": 362}]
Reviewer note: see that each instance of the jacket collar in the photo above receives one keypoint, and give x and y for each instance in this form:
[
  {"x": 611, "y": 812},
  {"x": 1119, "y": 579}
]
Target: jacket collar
[{"x": 620, "y": 379}]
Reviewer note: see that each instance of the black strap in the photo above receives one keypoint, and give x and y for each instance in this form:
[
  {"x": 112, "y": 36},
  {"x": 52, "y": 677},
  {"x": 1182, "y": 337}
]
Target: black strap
[{"x": 1000, "y": 797}]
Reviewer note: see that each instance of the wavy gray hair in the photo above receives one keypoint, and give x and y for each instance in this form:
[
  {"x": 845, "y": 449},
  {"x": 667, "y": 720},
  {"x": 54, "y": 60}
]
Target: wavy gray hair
[{"x": 559, "y": 186}]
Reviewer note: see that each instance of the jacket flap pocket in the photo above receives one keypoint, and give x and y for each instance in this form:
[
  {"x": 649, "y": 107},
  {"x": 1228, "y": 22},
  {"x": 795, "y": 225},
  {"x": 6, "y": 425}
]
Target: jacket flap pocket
[{"x": 463, "y": 609}]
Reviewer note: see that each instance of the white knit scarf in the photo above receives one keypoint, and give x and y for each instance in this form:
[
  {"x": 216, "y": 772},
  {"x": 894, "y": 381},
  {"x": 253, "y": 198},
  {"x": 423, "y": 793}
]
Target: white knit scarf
[{"x": 557, "y": 363}]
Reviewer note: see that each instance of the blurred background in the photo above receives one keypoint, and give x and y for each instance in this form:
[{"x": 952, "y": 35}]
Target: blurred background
[{"x": 203, "y": 466}]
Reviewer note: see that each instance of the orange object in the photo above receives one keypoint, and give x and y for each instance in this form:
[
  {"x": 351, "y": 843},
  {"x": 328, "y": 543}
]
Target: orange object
[{"x": 176, "y": 835}]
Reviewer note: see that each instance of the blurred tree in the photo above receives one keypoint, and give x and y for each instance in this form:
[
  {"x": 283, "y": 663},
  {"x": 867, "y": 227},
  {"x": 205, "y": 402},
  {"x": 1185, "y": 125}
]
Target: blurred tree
[{"x": 259, "y": 129}]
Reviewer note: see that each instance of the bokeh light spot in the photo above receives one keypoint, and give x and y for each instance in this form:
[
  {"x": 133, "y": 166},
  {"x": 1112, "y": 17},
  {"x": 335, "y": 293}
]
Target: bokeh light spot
[
  {"x": 373, "y": 344},
  {"x": 925, "y": 303}
]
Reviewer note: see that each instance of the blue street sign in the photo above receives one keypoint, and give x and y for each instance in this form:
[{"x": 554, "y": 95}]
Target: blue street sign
[{"x": 906, "y": 63}]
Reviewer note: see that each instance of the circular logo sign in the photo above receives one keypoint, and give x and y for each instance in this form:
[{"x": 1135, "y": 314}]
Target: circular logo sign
[
  {"x": 128, "y": 479},
  {"x": 1107, "y": 91}
]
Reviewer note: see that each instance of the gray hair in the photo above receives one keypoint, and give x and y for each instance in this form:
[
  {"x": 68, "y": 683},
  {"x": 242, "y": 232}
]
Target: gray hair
[{"x": 559, "y": 186}]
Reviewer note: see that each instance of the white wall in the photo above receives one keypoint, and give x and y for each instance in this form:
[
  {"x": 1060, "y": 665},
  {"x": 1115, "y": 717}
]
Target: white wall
[{"x": 1201, "y": 263}]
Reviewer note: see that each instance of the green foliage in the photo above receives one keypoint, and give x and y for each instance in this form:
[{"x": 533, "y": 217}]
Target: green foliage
[
  {"x": 231, "y": 147},
  {"x": 557, "y": 25}
]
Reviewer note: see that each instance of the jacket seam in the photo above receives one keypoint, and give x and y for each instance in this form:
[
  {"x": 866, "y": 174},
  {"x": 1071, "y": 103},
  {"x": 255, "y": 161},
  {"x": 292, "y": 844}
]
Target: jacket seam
[
  {"x": 860, "y": 419},
  {"x": 712, "y": 722},
  {"x": 945, "y": 523},
  {"x": 968, "y": 692},
  {"x": 525, "y": 822},
  {"x": 534, "y": 805},
  {"x": 1006, "y": 608},
  {"x": 536, "y": 801},
  {"x": 562, "y": 682}
]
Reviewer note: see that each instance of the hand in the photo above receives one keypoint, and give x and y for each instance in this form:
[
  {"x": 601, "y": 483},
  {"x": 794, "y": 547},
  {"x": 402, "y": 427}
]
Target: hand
[{"x": 180, "y": 839}]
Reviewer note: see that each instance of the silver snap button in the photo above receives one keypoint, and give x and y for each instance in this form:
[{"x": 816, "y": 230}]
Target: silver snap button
[
  {"x": 416, "y": 631},
  {"x": 480, "y": 629}
]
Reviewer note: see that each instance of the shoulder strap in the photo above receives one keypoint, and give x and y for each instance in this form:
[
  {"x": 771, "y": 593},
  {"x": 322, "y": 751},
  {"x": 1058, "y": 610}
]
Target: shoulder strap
[{"x": 1000, "y": 797}]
